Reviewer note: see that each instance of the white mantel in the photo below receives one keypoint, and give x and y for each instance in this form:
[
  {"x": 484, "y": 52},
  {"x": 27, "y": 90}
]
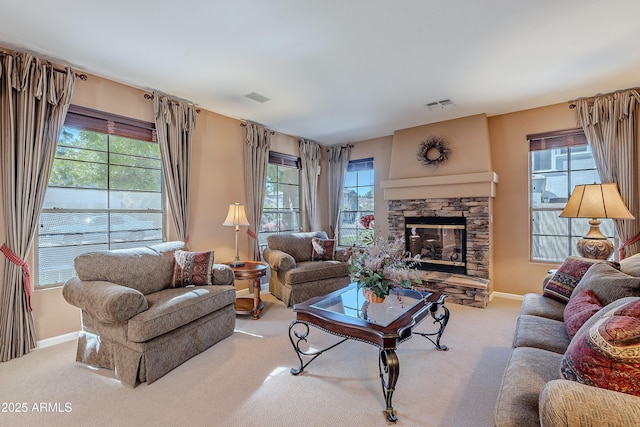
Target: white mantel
[{"x": 481, "y": 184}]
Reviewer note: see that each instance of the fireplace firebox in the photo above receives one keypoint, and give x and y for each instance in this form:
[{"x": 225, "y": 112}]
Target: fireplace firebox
[{"x": 437, "y": 243}]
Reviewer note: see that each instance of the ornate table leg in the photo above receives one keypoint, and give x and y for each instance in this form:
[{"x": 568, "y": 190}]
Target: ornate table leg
[
  {"x": 389, "y": 365},
  {"x": 302, "y": 337},
  {"x": 257, "y": 303},
  {"x": 441, "y": 319}
]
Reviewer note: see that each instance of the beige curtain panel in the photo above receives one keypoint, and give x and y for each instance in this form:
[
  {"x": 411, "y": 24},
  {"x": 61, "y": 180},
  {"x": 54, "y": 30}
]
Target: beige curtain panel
[
  {"x": 34, "y": 99},
  {"x": 175, "y": 123},
  {"x": 310, "y": 157},
  {"x": 337, "y": 163},
  {"x": 257, "y": 142},
  {"x": 609, "y": 123}
]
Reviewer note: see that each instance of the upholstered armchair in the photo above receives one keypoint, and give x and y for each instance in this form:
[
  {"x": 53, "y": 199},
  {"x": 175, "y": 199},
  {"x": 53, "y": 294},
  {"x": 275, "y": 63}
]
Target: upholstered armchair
[{"x": 298, "y": 273}]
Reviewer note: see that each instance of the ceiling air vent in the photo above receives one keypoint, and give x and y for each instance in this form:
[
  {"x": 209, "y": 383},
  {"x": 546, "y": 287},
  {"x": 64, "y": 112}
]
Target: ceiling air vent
[
  {"x": 257, "y": 97},
  {"x": 440, "y": 105}
]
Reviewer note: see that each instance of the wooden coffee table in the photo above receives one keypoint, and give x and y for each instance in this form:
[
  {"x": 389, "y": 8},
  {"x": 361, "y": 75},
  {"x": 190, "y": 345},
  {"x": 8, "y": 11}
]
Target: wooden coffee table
[
  {"x": 251, "y": 270},
  {"x": 347, "y": 314}
]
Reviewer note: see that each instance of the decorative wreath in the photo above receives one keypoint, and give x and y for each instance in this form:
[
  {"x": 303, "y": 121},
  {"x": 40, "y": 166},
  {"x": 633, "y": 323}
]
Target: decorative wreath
[{"x": 433, "y": 151}]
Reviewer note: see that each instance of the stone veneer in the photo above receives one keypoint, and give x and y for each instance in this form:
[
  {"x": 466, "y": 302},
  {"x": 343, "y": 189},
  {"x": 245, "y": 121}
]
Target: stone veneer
[{"x": 475, "y": 288}]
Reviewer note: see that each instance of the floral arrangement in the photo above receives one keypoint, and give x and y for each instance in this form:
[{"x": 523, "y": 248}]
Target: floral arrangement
[
  {"x": 367, "y": 236},
  {"x": 381, "y": 266}
]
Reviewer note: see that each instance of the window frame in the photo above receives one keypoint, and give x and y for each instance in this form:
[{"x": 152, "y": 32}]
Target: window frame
[
  {"x": 87, "y": 119},
  {"x": 357, "y": 165},
  {"x": 287, "y": 161},
  {"x": 570, "y": 140}
]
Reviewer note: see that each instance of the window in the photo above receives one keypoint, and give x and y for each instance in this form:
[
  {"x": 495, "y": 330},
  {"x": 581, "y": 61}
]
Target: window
[
  {"x": 558, "y": 162},
  {"x": 357, "y": 201},
  {"x": 281, "y": 211},
  {"x": 105, "y": 192}
]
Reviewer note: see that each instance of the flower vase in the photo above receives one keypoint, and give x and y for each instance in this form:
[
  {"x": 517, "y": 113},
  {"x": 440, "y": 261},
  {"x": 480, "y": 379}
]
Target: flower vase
[{"x": 371, "y": 296}]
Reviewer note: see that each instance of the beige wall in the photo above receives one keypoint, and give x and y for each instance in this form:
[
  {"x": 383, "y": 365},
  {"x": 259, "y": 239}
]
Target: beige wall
[
  {"x": 217, "y": 181},
  {"x": 513, "y": 272}
]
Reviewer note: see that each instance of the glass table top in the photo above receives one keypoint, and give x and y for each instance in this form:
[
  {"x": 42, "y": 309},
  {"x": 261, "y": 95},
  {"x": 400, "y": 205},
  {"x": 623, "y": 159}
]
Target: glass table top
[{"x": 352, "y": 303}]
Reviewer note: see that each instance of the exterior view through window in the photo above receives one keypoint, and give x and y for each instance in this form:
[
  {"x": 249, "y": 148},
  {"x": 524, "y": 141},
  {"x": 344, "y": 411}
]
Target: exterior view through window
[
  {"x": 558, "y": 162},
  {"x": 281, "y": 211},
  {"x": 105, "y": 192},
  {"x": 357, "y": 203}
]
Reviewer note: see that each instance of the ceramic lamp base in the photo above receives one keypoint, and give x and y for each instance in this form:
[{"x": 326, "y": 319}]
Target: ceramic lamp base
[{"x": 595, "y": 248}]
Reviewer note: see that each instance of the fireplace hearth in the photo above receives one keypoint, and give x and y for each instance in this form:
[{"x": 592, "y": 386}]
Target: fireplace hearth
[{"x": 437, "y": 243}]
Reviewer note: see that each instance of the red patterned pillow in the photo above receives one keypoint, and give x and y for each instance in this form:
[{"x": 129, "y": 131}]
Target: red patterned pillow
[
  {"x": 323, "y": 249},
  {"x": 192, "y": 268},
  {"x": 566, "y": 278},
  {"x": 579, "y": 309},
  {"x": 607, "y": 355}
]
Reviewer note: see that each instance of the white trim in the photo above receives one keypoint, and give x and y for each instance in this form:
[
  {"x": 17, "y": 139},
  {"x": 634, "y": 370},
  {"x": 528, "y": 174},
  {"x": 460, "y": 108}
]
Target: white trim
[
  {"x": 506, "y": 295},
  {"x": 48, "y": 342}
]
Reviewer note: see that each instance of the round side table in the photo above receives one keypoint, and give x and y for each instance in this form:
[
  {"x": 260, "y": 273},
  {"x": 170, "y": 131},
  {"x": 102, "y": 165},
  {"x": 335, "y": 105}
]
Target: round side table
[{"x": 251, "y": 270}]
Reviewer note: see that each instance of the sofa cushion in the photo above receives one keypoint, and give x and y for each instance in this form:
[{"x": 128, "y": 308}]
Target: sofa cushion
[
  {"x": 607, "y": 355},
  {"x": 312, "y": 271},
  {"x": 323, "y": 249},
  {"x": 192, "y": 268},
  {"x": 541, "y": 332},
  {"x": 527, "y": 372},
  {"x": 539, "y": 305},
  {"x": 298, "y": 245},
  {"x": 608, "y": 283},
  {"x": 147, "y": 269},
  {"x": 579, "y": 309},
  {"x": 566, "y": 278},
  {"x": 171, "y": 308},
  {"x": 631, "y": 265}
]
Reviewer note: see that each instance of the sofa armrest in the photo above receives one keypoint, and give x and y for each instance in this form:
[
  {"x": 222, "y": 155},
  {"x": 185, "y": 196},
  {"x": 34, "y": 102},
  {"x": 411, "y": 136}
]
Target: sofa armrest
[
  {"x": 106, "y": 301},
  {"x": 222, "y": 274},
  {"x": 569, "y": 403},
  {"x": 278, "y": 260}
]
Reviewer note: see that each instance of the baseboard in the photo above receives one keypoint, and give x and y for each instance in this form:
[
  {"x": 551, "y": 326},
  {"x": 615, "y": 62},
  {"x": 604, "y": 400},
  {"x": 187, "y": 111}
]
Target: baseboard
[
  {"x": 506, "y": 295},
  {"x": 48, "y": 342}
]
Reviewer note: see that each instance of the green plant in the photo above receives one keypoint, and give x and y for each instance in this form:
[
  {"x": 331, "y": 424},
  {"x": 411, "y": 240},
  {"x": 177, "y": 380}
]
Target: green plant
[{"x": 381, "y": 266}]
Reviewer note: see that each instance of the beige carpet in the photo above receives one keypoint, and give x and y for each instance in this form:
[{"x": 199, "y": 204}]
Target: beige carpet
[{"x": 245, "y": 380}]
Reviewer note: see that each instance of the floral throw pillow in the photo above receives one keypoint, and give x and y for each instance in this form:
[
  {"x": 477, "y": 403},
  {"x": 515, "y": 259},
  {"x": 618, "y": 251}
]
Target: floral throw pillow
[
  {"x": 566, "y": 278},
  {"x": 607, "y": 355},
  {"x": 323, "y": 249},
  {"x": 192, "y": 268},
  {"x": 579, "y": 309}
]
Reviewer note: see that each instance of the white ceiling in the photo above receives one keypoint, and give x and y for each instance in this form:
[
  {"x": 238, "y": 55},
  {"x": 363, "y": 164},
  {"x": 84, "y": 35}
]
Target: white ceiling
[{"x": 342, "y": 70}]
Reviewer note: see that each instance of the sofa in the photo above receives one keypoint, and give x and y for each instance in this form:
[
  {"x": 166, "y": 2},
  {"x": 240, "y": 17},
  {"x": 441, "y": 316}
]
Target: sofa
[
  {"x": 564, "y": 368},
  {"x": 138, "y": 317},
  {"x": 296, "y": 274}
]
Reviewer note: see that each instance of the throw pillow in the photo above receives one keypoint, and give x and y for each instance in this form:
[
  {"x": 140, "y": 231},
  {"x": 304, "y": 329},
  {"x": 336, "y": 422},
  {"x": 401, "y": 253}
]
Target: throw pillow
[
  {"x": 608, "y": 283},
  {"x": 607, "y": 355},
  {"x": 579, "y": 309},
  {"x": 566, "y": 278},
  {"x": 192, "y": 268},
  {"x": 323, "y": 249}
]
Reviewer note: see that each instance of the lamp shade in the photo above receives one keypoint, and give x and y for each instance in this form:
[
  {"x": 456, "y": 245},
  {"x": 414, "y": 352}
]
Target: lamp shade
[
  {"x": 236, "y": 216},
  {"x": 596, "y": 201}
]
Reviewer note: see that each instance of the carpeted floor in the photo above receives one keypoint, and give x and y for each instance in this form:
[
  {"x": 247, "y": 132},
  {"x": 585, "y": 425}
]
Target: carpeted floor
[{"x": 245, "y": 381}]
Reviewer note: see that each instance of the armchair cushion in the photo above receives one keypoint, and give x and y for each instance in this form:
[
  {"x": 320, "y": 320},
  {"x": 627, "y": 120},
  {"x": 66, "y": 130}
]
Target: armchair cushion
[
  {"x": 298, "y": 245},
  {"x": 108, "y": 302},
  {"x": 192, "y": 268},
  {"x": 311, "y": 271}
]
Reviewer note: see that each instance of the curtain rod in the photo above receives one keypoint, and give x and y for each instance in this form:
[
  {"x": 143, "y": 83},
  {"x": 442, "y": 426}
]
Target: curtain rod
[
  {"x": 147, "y": 96},
  {"x": 80, "y": 76},
  {"x": 590, "y": 99},
  {"x": 244, "y": 125}
]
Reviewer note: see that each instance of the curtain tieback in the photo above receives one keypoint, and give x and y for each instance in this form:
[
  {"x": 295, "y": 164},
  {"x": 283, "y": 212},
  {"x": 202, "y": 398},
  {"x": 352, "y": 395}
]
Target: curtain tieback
[
  {"x": 631, "y": 241},
  {"x": 11, "y": 256}
]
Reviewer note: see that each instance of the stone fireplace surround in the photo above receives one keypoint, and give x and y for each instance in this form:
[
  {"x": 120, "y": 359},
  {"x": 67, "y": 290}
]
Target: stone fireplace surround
[{"x": 474, "y": 288}]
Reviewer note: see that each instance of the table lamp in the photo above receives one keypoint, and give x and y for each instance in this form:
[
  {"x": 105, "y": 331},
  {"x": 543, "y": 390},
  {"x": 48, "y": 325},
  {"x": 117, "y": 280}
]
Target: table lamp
[
  {"x": 235, "y": 218},
  {"x": 596, "y": 201}
]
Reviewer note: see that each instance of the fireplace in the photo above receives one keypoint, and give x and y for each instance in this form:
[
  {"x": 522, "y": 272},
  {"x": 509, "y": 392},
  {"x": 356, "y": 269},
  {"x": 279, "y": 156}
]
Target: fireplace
[{"x": 437, "y": 243}]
